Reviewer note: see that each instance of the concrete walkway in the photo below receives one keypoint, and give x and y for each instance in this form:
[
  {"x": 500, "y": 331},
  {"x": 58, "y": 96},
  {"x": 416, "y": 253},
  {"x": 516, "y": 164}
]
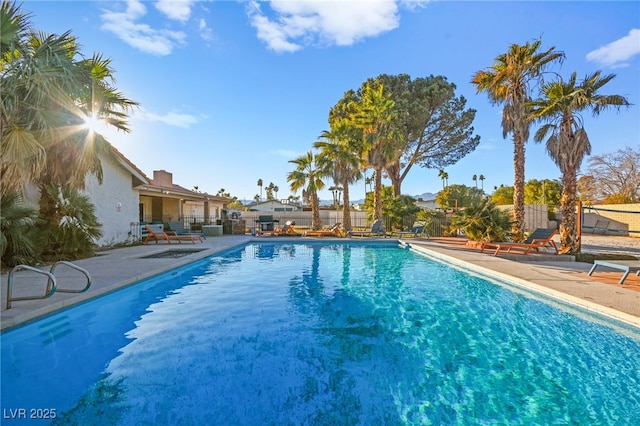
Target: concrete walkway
[{"x": 118, "y": 268}]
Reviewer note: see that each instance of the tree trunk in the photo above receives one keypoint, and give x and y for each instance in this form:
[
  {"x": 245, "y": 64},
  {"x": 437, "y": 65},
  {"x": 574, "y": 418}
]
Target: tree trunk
[
  {"x": 518, "y": 186},
  {"x": 568, "y": 230},
  {"x": 316, "y": 222},
  {"x": 393, "y": 171},
  {"x": 377, "y": 195},
  {"x": 346, "y": 207}
]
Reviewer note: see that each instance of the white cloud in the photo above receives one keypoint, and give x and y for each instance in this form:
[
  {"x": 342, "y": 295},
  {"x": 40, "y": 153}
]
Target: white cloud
[
  {"x": 141, "y": 36},
  {"x": 174, "y": 119},
  {"x": 178, "y": 10},
  {"x": 300, "y": 23},
  {"x": 617, "y": 53},
  {"x": 205, "y": 31}
]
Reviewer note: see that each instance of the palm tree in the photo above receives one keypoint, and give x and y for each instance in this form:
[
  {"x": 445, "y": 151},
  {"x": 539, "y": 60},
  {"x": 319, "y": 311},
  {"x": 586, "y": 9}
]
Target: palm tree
[
  {"x": 508, "y": 82},
  {"x": 276, "y": 189},
  {"x": 374, "y": 114},
  {"x": 482, "y": 178},
  {"x": 475, "y": 179},
  {"x": 308, "y": 177},
  {"x": 48, "y": 96},
  {"x": 559, "y": 108},
  {"x": 342, "y": 163},
  {"x": 444, "y": 176},
  {"x": 260, "y": 185}
]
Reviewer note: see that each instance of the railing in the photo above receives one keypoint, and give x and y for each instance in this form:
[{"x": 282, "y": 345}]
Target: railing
[{"x": 52, "y": 285}]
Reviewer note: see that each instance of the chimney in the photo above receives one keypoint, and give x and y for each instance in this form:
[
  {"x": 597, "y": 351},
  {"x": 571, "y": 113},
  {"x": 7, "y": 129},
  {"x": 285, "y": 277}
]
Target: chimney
[{"x": 162, "y": 178}]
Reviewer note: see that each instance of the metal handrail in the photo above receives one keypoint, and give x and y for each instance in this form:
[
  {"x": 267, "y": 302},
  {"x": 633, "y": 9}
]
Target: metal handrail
[
  {"x": 77, "y": 268},
  {"x": 51, "y": 284}
]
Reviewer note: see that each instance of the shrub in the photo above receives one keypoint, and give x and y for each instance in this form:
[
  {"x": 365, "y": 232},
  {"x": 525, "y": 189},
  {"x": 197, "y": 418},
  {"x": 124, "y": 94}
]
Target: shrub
[
  {"x": 17, "y": 244},
  {"x": 482, "y": 221},
  {"x": 68, "y": 224}
]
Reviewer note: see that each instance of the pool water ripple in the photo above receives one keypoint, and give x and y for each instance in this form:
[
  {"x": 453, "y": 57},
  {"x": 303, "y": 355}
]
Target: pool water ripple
[{"x": 337, "y": 334}]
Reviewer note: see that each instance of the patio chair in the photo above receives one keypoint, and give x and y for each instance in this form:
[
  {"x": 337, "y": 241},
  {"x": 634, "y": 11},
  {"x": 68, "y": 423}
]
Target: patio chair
[
  {"x": 540, "y": 238},
  {"x": 288, "y": 229},
  {"x": 625, "y": 267},
  {"x": 168, "y": 236},
  {"x": 417, "y": 229},
  {"x": 328, "y": 231},
  {"x": 178, "y": 228},
  {"x": 377, "y": 229}
]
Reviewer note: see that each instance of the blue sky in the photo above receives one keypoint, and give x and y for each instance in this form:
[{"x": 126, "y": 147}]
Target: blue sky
[{"x": 231, "y": 91}]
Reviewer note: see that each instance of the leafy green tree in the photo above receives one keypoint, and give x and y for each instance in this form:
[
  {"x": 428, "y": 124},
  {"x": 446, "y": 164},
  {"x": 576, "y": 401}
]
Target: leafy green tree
[
  {"x": 434, "y": 125},
  {"x": 547, "y": 191},
  {"x": 567, "y": 142},
  {"x": 458, "y": 196},
  {"x": 17, "y": 239},
  {"x": 308, "y": 176},
  {"x": 502, "y": 195},
  {"x": 401, "y": 211},
  {"x": 509, "y": 83},
  {"x": 482, "y": 221},
  {"x": 398, "y": 212}
]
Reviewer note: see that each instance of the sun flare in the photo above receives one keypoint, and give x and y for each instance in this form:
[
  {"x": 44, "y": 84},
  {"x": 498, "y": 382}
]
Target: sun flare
[{"x": 92, "y": 122}]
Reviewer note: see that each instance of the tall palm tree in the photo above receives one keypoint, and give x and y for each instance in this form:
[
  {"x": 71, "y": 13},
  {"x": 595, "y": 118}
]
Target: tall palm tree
[
  {"x": 337, "y": 156},
  {"x": 559, "y": 108},
  {"x": 482, "y": 178},
  {"x": 48, "y": 96},
  {"x": 509, "y": 83},
  {"x": 374, "y": 115},
  {"x": 475, "y": 179},
  {"x": 260, "y": 185},
  {"x": 444, "y": 176},
  {"x": 308, "y": 177}
]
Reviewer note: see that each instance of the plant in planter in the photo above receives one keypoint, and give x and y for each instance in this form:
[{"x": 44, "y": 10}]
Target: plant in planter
[{"x": 482, "y": 221}]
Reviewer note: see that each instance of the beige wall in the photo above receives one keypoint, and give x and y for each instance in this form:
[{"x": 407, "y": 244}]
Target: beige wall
[{"x": 613, "y": 218}]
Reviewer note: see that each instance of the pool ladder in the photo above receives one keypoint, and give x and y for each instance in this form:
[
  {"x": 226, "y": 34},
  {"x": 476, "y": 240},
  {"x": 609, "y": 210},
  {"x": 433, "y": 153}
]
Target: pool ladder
[{"x": 52, "y": 285}]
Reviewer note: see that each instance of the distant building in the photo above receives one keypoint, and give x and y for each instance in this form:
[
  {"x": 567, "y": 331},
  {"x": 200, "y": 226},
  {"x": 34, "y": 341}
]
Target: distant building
[
  {"x": 273, "y": 206},
  {"x": 164, "y": 201},
  {"x": 427, "y": 204}
]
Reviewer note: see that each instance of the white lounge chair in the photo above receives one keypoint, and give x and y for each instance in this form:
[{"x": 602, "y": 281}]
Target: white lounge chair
[{"x": 626, "y": 267}]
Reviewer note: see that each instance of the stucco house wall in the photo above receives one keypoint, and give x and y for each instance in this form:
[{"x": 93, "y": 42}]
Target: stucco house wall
[{"x": 116, "y": 202}]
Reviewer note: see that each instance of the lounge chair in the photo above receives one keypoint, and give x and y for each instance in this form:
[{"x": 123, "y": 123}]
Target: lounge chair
[
  {"x": 377, "y": 229},
  {"x": 328, "y": 231},
  {"x": 540, "y": 238},
  {"x": 169, "y": 236},
  {"x": 418, "y": 228},
  {"x": 288, "y": 229},
  {"x": 625, "y": 267},
  {"x": 178, "y": 228}
]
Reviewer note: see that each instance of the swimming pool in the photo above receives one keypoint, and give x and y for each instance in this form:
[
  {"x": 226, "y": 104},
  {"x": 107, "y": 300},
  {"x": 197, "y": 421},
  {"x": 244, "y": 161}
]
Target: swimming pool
[{"x": 320, "y": 333}]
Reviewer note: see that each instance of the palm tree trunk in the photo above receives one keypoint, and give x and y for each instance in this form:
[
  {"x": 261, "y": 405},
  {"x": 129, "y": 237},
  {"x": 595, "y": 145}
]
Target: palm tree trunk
[
  {"x": 568, "y": 232},
  {"x": 316, "y": 222},
  {"x": 518, "y": 186},
  {"x": 346, "y": 206},
  {"x": 377, "y": 195}
]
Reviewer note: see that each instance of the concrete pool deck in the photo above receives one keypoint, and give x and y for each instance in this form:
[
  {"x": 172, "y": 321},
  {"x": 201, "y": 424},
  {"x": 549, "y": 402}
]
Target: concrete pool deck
[{"x": 118, "y": 268}]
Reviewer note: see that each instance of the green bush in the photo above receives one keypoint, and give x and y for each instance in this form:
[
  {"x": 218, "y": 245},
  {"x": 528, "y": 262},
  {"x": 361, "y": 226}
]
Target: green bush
[
  {"x": 68, "y": 224},
  {"x": 482, "y": 221},
  {"x": 17, "y": 234}
]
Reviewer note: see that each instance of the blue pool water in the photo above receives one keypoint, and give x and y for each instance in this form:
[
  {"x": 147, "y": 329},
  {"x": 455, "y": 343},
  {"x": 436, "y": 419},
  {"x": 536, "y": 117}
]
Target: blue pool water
[{"x": 320, "y": 334}]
